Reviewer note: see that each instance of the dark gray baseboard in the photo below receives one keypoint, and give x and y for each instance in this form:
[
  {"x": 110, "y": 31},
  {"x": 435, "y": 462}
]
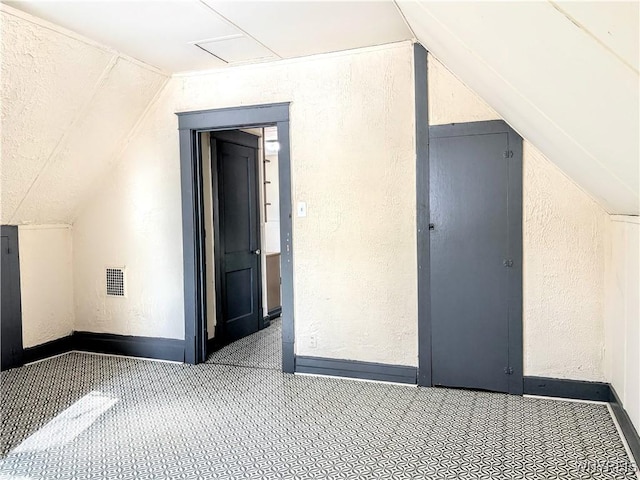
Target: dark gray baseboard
[
  {"x": 575, "y": 389},
  {"x": 275, "y": 313},
  {"x": 48, "y": 349},
  {"x": 356, "y": 369},
  {"x": 272, "y": 315},
  {"x": 581, "y": 390},
  {"x": 144, "y": 347},
  {"x": 628, "y": 430},
  {"x": 147, "y": 347}
]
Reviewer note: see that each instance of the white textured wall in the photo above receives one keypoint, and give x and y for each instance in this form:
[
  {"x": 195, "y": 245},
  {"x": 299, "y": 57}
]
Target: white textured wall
[
  {"x": 135, "y": 221},
  {"x": 352, "y": 150},
  {"x": 62, "y": 95},
  {"x": 622, "y": 320},
  {"x": 68, "y": 108},
  {"x": 46, "y": 283},
  {"x": 564, "y": 250},
  {"x": 564, "y": 234}
]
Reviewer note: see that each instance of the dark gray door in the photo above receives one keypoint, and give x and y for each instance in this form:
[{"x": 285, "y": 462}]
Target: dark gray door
[
  {"x": 472, "y": 258},
  {"x": 10, "y": 312},
  {"x": 237, "y": 244}
]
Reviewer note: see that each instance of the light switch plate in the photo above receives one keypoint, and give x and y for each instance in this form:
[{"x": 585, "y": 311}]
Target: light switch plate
[{"x": 302, "y": 209}]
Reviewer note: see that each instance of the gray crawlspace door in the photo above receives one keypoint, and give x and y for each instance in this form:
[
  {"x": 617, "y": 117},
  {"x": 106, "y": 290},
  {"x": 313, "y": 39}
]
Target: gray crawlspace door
[{"x": 476, "y": 256}]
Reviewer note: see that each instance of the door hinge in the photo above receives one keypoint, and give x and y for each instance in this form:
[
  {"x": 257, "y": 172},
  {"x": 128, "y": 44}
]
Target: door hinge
[
  {"x": 508, "y": 371},
  {"x": 508, "y": 154},
  {"x": 507, "y": 263}
]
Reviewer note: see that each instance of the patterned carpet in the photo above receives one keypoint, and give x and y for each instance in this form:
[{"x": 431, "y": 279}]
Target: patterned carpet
[
  {"x": 260, "y": 350},
  {"x": 98, "y": 417}
]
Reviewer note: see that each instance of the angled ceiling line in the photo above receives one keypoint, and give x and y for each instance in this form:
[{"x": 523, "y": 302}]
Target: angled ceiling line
[
  {"x": 294, "y": 60},
  {"x": 524, "y": 98},
  {"x": 197, "y": 44},
  {"x": 404, "y": 19},
  {"x": 61, "y": 142},
  {"x": 77, "y": 211},
  {"x": 217, "y": 39},
  {"x": 247, "y": 34},
  {"x": 584, "y": 29}
]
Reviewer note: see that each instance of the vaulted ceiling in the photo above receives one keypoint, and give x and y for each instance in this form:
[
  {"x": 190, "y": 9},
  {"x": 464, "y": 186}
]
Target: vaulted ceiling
[{"x": 564, "y": 74}]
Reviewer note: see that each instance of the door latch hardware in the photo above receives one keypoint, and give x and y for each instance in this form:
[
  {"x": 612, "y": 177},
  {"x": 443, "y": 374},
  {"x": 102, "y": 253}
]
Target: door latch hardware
[
  {"x": 432, "y": 226},
  {"x": 508, "y": 371},
  {"x": 508, "y": 154},
  {"x": 507, "y": 263}
]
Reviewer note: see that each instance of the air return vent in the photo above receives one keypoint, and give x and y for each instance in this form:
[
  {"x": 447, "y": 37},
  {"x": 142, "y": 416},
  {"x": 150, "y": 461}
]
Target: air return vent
[{"x": 115, "y": 282}]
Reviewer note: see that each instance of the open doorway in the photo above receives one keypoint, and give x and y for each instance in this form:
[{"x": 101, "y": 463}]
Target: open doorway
[
  {"x": 242, "y": 246},
  {"x": 240, "y": 119}
]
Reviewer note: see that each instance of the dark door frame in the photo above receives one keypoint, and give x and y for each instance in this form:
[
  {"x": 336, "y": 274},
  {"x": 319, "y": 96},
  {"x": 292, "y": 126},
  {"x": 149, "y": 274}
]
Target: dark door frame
[
  {"x": 13, "y": 273},
  {"x": 235, "y": 137},
  {"x": 423, "y": 133},
  {"x": 189, "y": 125},
  {"x": 421, "y": 96}
]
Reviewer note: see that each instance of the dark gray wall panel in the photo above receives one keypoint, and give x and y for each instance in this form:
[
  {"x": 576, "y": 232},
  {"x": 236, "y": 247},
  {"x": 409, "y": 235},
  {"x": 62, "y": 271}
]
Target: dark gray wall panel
[
  {"x": 10, "y": 296},
  {"x": 422, "y": 214}
]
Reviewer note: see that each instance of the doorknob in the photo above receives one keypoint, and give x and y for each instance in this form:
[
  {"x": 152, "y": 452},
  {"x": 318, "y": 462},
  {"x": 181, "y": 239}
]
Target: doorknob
[{"x": 257, "y": 252}]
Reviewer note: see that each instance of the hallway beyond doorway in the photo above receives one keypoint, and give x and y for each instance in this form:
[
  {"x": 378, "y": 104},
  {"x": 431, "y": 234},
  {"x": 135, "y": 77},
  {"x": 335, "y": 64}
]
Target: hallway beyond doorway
[{"x": 262, "y": 349}]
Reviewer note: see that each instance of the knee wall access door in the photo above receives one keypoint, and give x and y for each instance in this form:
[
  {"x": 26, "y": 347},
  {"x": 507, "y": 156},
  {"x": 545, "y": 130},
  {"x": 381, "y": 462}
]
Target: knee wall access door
[{"x": 476, "y": 256}]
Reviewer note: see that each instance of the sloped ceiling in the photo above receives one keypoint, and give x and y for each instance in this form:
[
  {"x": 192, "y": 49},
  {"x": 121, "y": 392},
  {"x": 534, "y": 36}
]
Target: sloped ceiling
[
  {"x": 563, "y": 74},
  {"x": 68, "y": 106}
]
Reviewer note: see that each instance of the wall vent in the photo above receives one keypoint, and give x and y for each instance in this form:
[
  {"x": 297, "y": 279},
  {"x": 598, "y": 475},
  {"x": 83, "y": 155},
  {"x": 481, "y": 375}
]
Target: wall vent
[{"x": 115, "y": 282}]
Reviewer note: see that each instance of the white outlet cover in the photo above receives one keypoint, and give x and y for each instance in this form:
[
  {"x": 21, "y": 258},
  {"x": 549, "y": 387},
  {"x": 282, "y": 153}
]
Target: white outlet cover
[{"x": 302, "y": 209}]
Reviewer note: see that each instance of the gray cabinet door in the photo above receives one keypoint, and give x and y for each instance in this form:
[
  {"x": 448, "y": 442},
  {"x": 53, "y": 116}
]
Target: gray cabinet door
[
  {"x": 10, "y": 311},
  {"x": 472, "y": 260}
]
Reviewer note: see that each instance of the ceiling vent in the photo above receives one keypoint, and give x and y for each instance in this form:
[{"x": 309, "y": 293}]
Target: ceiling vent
[
  {"x": 115, "y": 282},
  {"x": 236, "y": 49}
]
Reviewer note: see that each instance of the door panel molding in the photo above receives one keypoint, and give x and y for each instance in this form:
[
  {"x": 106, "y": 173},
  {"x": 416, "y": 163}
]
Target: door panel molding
[{"x": 189, "y": 125}]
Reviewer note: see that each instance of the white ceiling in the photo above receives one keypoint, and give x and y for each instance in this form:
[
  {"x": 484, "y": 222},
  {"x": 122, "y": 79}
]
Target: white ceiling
[
  {"x": 165, "y": 33},
  {"x": 563, "y": 74}
]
